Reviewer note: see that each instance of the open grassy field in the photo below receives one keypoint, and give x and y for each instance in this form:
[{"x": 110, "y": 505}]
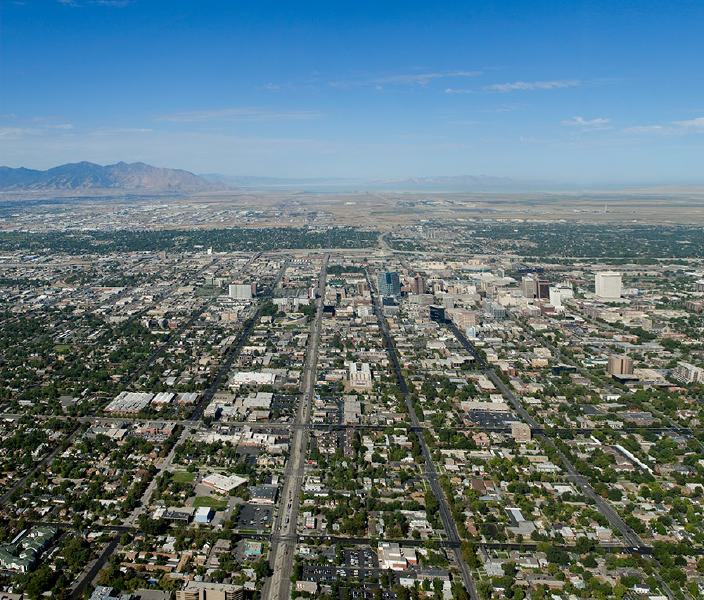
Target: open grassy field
[
  {"x": 214, "y": 503},
  {"x": 183, "y": 477}
]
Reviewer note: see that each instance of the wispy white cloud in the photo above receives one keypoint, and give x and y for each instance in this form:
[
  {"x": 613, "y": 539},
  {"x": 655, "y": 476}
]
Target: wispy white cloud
[
  {"x": 697, "y": 123},
  {"x": 82, "y": 3},
  {"x": 527, "y": 139},
  {"x": 239, "y": 114},
  {"x": 31, "y": 127},
  {"x": 423, "y": 78},
  {"x": 685, "y": 127},
  {"x": 518, "y": 86},
  {"x": 582, "y": 123},
  {"x": 119, "y": 130},
  {"x": 459, "y": 91},
  {"x": 465, "y": 122},
  {"x": 15, "y": 133},
  {"x": 502, "y": 108},
  {"x": 649, "y": 129},
  {"x": 403, "y": 79},
  {"x": 62, "y": 131}
]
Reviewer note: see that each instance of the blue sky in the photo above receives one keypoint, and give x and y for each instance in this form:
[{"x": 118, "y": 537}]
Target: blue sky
[{"x": 587, "y": 92}]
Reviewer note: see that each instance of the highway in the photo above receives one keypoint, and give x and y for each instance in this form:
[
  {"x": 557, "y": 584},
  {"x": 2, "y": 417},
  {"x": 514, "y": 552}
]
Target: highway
[
  {"x": 284, "y": 528},
  {"x": 448, "y": 520}
]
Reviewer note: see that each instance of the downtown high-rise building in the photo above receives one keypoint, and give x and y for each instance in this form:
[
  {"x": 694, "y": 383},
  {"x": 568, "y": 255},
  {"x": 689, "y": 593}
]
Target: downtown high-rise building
[
  {"x": 608, "y": 285},
  {"x": 620, "y": 365},
  {"x": 389, "y": 284},
  {"x": 240, "y": 291},
  {"x": 418, "y": 285}
]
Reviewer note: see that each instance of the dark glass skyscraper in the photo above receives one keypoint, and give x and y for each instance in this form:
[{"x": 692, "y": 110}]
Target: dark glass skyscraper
[{"x": 389, "y": 284}]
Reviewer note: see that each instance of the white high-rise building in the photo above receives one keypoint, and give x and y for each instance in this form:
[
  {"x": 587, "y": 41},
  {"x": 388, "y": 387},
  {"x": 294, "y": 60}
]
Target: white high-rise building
[
  {"x": 529, "y": 286},
  {"x": 560, "y": 292},
  {"x": 607, "y": 285},
  {"x": 240, "y": 291}
]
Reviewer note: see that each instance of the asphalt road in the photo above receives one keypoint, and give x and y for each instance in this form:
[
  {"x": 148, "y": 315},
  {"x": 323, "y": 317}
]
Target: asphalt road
[
  {"x": 283, "y": 532},
  {"x": 273, "y": 425},
  {"x": 92, "y": 573},
  {"x": 235, "y": 349},
  {"x": 448, "y": 520},
  {"x": 631, "y": 538},
  {"x": 604, "y": 508},
  {"x": 7, "y": 494}
]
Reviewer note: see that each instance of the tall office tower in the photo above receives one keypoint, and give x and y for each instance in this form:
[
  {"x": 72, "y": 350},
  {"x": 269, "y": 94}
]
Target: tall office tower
[
  {"x": 240, "y": 291},
  {"x": 494, "y": 310},
  {"x": 607, "y": 285},
  {"x": 543, "y": 286},
  {"x": 461, "y": 317},
  {"x": 389, "y": 284},
  {"x": 437, "y": 314},
  {"x": 418, "y": 285},
  {"x": 620, "y": 364},
  {"x": 529, "y": 286},
  {"x": 560, "y": 292}
]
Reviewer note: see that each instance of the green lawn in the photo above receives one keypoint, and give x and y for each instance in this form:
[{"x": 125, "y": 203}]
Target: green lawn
[
  {"x": 183, "y": 477},
  {"x": 215, "y": 503}
]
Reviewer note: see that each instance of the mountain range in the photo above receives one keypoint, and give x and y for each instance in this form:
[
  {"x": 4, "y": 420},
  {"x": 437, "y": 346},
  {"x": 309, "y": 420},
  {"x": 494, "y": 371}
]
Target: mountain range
[
  {"x": 90, "y": 176},
  {"x": 82, "y": 177}
]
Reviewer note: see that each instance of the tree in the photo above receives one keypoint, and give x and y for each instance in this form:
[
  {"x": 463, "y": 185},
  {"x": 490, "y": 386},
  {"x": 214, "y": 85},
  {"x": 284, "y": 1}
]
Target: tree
[
  {"x": 40, "y": 581},
  {"x": 557, "y": 556},
  {"x": 458, "y": 591},
  {"x": 262, "y": 569}
]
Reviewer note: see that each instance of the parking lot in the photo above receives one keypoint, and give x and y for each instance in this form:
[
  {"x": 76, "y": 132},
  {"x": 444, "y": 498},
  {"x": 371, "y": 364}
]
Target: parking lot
[
  {"x": 254, "y": 517},
  {"x": 360, "y": 558}
]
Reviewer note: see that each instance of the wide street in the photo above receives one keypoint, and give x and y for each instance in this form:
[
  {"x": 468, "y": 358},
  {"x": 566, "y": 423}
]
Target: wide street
[{"x": 282, "y": 548}]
